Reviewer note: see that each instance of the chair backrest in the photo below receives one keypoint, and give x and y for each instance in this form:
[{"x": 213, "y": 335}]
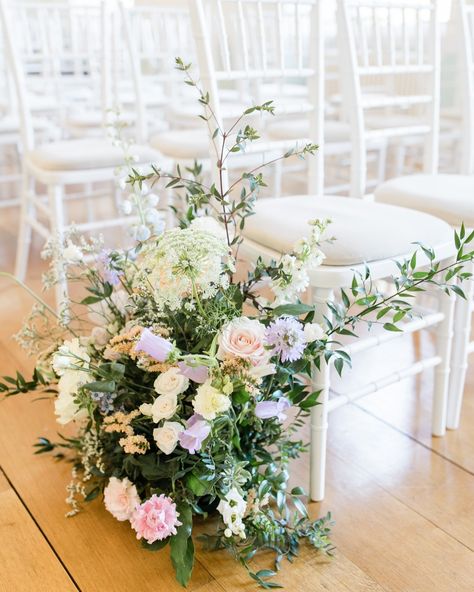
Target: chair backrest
[
  {"x": 254, "y": 44},
  {"x": 463, "y": 15},
  {"x": 154, "y": 36},
  {"x": 52, "y": 53},
  {"x": 392, "y": 45}
]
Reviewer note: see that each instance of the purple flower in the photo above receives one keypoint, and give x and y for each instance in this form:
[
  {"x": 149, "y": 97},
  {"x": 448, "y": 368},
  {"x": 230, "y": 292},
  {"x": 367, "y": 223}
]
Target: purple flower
[
  {"x": 110, "y": 274},
  {"x": 286, "y": 335},
  {"x": 268, "y": 409},
  {"x": 197, "y": 374},
  {"x": 197, "y": 430},
  {"x": 154, "y": 345}
]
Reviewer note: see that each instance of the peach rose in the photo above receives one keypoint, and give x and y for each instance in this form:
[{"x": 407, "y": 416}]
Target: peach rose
[
  {"x": 243, "y": 338},
  {"x": 121, "y": 498}
]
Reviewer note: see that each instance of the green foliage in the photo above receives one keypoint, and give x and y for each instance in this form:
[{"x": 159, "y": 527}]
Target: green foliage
[{"x": 182, "y": 547}]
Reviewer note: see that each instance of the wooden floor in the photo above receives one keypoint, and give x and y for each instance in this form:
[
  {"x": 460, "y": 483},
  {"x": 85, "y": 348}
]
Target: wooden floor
[{"x": 403, "y": 502}]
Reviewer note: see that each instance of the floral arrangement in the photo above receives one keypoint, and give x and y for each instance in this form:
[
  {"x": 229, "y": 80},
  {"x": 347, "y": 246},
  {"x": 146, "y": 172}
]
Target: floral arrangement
[{"x": 187, "y": 385}]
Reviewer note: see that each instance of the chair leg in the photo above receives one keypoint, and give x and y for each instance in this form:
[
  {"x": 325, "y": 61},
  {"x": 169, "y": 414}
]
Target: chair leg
[
  {"x": 319, "y": 413},
  {"x": 24, "y": 232},
  {"x": 459, "y": 358},
  {"x": 56, "y": 204},
  {"x": 444, "y": 339}
]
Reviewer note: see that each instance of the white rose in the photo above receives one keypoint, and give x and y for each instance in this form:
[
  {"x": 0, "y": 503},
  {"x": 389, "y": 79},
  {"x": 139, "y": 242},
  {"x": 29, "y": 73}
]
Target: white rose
[
  {"x": 64, "y": 406},
  {"x": 171, "y": 382},
  {"x": 71, "y": 355},
  {"x": 164, "y": 407},
  {"x": 209, "y": 402},
  {"x": 146, "y": 409},
  {"x": 313, "y": 332},
  {"x": 121, "y": 498},
  {"x": 166, "y": 437}
]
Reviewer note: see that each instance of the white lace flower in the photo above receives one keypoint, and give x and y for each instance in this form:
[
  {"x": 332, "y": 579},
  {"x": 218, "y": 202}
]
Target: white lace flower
[{"x": 183, "y": 263}]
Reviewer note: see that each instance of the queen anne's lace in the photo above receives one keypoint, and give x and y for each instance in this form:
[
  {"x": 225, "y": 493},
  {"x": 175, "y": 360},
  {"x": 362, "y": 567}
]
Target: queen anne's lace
[{"x": 184, "y": 263}]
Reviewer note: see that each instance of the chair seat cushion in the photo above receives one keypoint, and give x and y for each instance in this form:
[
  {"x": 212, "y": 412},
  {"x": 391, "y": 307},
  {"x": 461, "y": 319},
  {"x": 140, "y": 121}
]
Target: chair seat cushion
[
  {"x": 364, "y": 231},
  {"x": 90, "y": 153},
  {"x": 450, "y": 197},
  {"x": 187, "y": 143},
  {"x": 293, "y": 129}
]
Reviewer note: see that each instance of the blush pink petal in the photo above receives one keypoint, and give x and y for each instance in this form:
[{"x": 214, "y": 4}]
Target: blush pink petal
[{"x": 155, "y": 519}]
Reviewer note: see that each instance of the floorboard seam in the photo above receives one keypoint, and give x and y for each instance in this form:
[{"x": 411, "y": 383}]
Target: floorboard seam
[
  {"x": 41, "y": 531},
  {"x": 414, "y": 439}
]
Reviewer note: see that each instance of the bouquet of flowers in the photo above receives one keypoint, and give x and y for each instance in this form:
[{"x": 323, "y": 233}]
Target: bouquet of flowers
[{"x": 186, "y": 384}]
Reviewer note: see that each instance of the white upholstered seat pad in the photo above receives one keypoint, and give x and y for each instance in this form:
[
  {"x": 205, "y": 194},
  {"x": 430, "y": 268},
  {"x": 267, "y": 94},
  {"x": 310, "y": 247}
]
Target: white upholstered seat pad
[
  {"x": 87, "y": 153},
  {"x": 450, "y": 197},
  {"x": 364, "y": 231},
  {"x": 292, "y": 129},
  {"x": 186, "y": 143}
]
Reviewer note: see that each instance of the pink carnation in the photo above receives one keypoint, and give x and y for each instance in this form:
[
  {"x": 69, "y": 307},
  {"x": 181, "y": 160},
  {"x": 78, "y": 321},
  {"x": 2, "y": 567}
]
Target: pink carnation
[
  {"x": 155, "y": 519},
  {"x": 121, "y": 498}
]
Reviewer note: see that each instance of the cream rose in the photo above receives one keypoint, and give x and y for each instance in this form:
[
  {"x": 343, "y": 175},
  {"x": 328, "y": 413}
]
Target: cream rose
[
  {"x": 209, "y": 402},
  {"x": 166, "y": 437},
  {"x": 171, "y": 382},
  {"x": 100, "y": 337},
  {"x": 164, "y": 407},
  {"x": 243, "y": 338},
  {"x": 121, "y": 498}
]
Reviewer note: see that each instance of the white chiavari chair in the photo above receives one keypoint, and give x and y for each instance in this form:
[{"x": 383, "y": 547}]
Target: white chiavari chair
[
  {"x": 367, "y": 233},
  {"x": 393, "y": 45},
  {"x": 56, "y": 165},
  {"x": 450, "y": 197}
]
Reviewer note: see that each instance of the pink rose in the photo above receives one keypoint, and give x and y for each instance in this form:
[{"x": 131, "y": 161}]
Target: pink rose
[
  {"x": 243, "y": 338},
  {"x": 121, "y": 498},
  {"x": 155, "y": 519}
]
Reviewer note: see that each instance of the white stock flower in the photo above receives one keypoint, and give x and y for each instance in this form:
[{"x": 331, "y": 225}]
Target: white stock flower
[
  {"x": 171, "y": 382},
  {"x": 233, "y": 508},
  {"x": 166, "y": 437},
  {"x": 164, "y": 407},
  {"x": 209, "y": 402},
  {"x": 71, "y": 355},
  {"x": 65, "y": 407},
  {"x": 313, "y": 332}
]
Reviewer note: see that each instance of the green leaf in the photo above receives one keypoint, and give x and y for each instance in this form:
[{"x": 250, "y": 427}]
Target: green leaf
[
  {"x": 156, "y": 546},
  {"x": 182, "y": 548},
  {"x": 391, "y": 327},
  {"x": 294, "y": 310},
  {"x": 101, "y": 386},
  {"x": 198, "y": 486},
  {"x": 310, "y": 401}
]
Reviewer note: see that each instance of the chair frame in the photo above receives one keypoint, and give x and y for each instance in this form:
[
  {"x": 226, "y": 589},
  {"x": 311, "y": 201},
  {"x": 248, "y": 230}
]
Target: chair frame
[
  {"x": 55, "y": 181},
  {"x": 325, "y": 280}
]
